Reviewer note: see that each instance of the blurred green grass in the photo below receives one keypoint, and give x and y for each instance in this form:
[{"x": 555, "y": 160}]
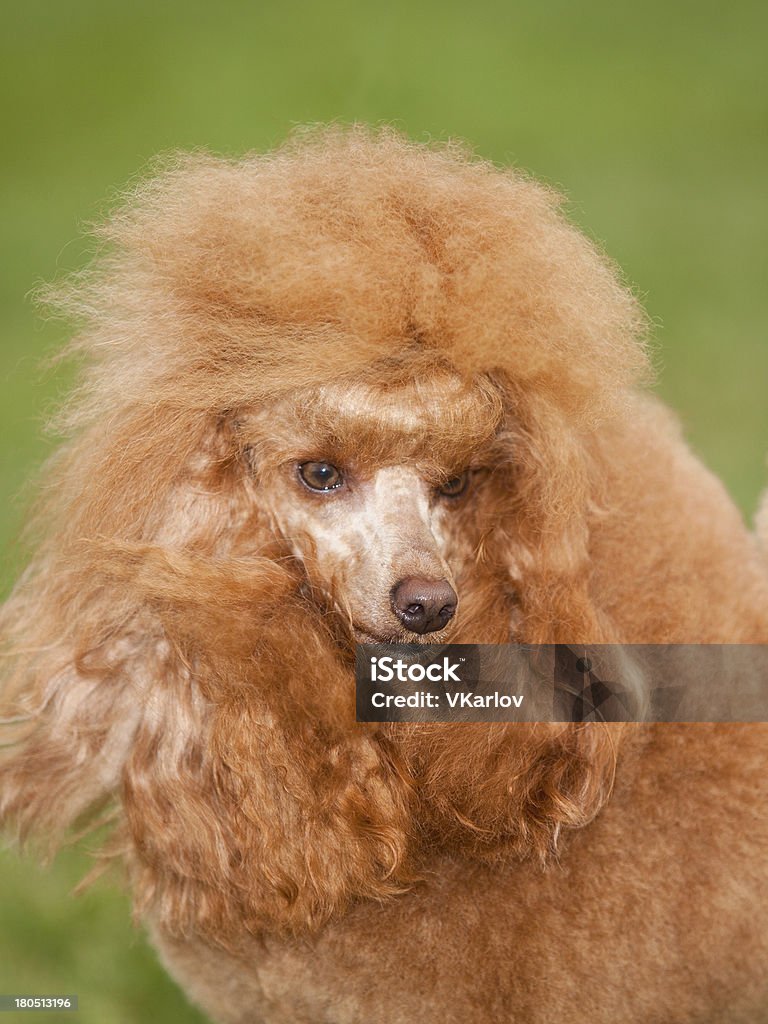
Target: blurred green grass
[
  {"x": 53, "y": 943},
  {"x": 651, "y": 117}
]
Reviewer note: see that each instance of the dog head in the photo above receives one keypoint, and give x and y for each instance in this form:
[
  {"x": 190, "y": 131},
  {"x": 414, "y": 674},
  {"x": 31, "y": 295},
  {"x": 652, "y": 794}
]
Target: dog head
[{"x": 343, "y": 392}]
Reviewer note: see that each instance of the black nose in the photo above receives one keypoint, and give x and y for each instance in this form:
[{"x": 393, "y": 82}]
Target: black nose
[{"x": 424, "y": 605}]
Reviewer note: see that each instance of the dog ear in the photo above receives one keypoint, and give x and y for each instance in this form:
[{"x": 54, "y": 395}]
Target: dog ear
[
  {"x": 543, "y": 499},
  {"x": 245, "y": 792},
  {"x": 185, "y": 682},
  {"x": 78, "y": 641},
  {"x": 272, "y": 807},
  {"x": 510, "y": 788}
]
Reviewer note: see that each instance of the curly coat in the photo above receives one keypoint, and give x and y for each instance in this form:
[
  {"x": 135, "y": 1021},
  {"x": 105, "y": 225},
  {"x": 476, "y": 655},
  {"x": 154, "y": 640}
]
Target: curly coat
[{"x": 174, "y": 663}]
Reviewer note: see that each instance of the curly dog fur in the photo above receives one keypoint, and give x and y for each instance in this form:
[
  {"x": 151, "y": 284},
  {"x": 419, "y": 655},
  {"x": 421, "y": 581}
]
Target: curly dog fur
[{"x": 180, "y": 649}]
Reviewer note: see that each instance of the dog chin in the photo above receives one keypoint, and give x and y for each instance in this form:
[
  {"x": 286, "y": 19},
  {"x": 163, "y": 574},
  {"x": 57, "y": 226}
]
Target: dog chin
[{"x": 364, "y": 635}]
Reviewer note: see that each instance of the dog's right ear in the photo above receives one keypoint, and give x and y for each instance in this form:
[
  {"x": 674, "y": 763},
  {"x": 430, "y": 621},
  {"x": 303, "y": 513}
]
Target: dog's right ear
[
  {"x": 184, "y": 683},
  {"x": 269, "y": 807},
  {"x": 94, "y": 628}
]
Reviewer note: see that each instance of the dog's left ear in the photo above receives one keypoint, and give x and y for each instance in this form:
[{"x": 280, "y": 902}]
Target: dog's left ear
[
  {"x": 510, "y": 787},
  {"x": 545, "y": 485}
]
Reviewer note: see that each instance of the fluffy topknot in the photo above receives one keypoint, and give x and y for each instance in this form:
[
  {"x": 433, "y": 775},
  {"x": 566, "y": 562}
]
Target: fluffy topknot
[{"x": 345, "y": 247}]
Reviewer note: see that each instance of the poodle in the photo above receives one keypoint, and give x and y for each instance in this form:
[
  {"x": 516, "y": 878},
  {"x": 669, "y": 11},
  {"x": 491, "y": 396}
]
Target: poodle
[{"x": 367, "y": 390}]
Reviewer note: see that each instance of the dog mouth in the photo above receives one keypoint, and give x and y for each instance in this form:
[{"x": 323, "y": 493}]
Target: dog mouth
[{"x": 365, "y": 635}]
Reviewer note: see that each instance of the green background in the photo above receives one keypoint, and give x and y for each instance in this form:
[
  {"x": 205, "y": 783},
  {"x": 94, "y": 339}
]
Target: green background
[{"x": 652, "y": 118}]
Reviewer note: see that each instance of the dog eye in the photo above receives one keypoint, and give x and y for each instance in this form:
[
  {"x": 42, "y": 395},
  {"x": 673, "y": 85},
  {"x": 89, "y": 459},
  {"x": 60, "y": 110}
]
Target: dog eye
[
  {"x": 320, "y": 476},
  {"x": 455, "y": 486}
]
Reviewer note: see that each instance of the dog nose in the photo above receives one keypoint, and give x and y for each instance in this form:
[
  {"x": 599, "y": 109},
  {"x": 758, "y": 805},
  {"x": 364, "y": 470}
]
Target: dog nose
[{"x": 424, "y": 605}]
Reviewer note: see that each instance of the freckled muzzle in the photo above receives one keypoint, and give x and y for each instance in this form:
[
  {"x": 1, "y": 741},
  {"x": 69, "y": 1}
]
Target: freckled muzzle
[{"x": 424, "y": 605}]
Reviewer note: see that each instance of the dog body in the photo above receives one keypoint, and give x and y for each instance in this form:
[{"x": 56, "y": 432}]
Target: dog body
[
  {"x": 646, "y": 916},
  {"x": 363, "y": 390},
  {"x": 648, "y": 912}
]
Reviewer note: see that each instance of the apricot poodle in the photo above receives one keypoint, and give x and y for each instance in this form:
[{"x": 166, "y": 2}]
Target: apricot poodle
[{"x": 361, "y": 389}]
